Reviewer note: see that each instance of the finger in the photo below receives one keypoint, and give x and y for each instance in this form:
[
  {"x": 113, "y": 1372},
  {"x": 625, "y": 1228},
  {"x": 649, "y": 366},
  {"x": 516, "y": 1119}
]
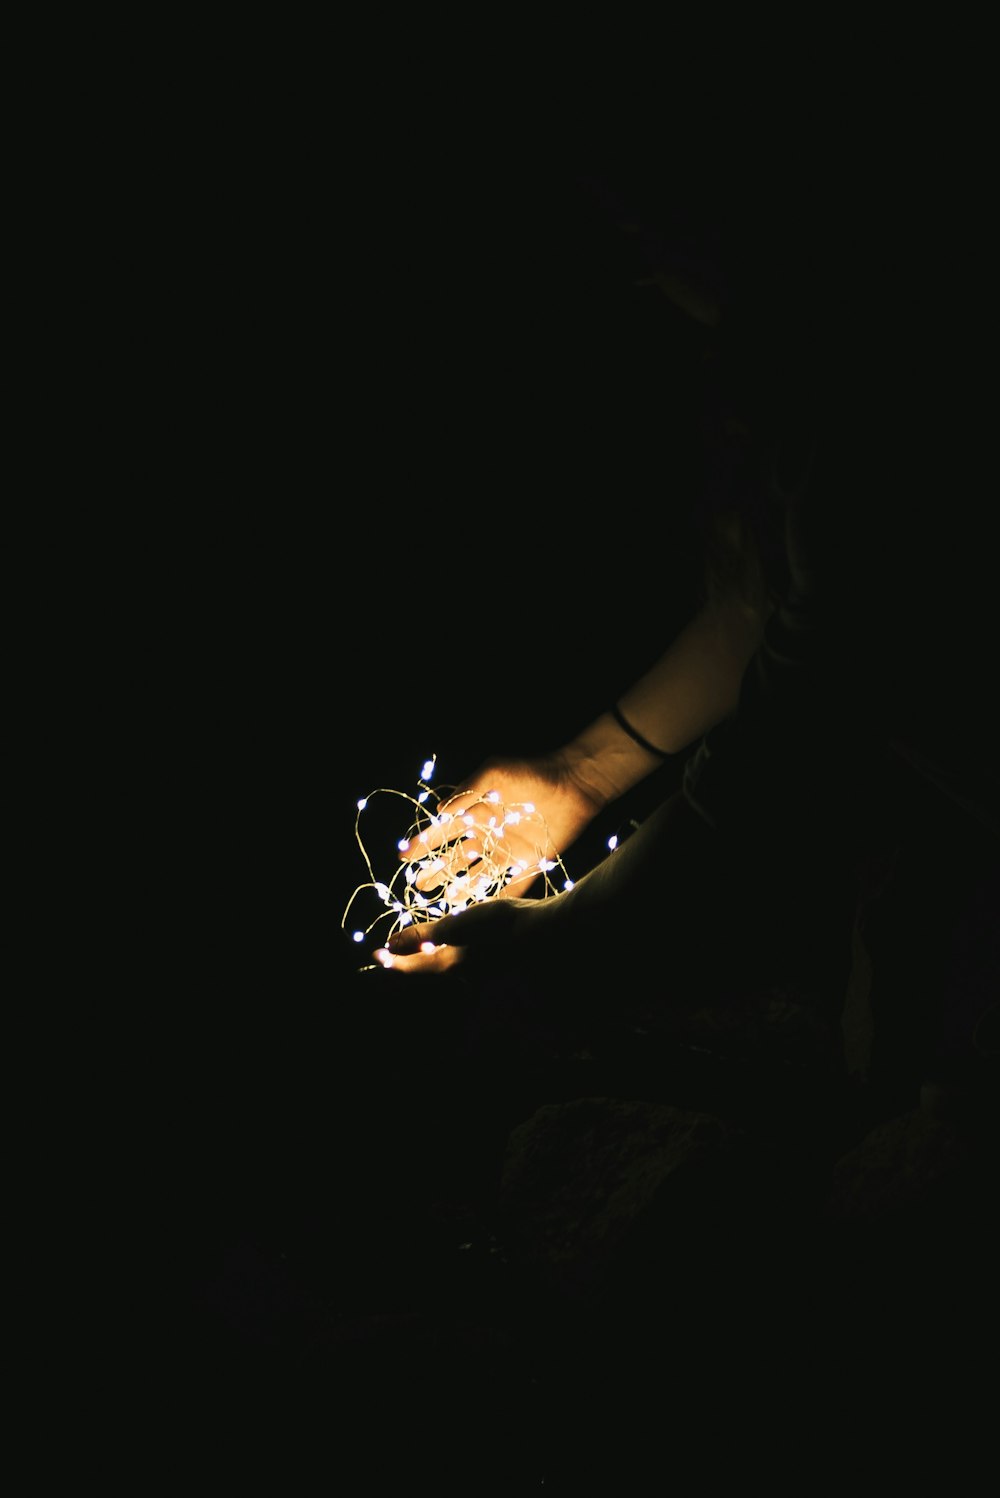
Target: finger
[
  {"x": 440, "y": 869},
  {"x": 411, "y": 938},
  {"x": 488, "y": 921},
  {"x": 460, "y": 877},
  {"x": 473, "y": 807},
  {"x": 428, "y": 958},
  {"x": 519, "y": 884},
  {"x": 444, "y": 827},
  {"x": 460, "y": 801},
  {"x": 479, "y": 814},
  {"x": 454, "y": 843}
]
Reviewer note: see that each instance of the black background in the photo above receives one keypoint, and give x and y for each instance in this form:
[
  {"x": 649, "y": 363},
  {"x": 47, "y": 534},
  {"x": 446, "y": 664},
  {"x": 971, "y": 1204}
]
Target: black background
[
  {"x": 417, "y": 441},
  {"x": 452, "y": 436},
  {"x": 430, "y": 437}
]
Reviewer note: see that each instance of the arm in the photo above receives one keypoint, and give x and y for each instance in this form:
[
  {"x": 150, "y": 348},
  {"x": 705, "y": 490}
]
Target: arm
[{"x": 693, "y": 686}]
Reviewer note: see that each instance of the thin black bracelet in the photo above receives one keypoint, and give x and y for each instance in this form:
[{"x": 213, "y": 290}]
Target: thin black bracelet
[{"x": 634, "y": 733}]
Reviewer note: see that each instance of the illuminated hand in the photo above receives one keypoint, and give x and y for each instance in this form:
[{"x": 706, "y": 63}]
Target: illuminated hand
[{"x": 510, "y": 821}]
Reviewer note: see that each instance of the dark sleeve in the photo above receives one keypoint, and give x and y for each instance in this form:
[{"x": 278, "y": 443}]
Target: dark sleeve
[
  {"x": 807, "y": 722},
  {"x": 883, "y": 642}
]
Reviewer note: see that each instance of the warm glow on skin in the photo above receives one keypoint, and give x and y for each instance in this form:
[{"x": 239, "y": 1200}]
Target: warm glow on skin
[
  {"x": 456, "y": 871},
  {"x": 429, "y": 958}
]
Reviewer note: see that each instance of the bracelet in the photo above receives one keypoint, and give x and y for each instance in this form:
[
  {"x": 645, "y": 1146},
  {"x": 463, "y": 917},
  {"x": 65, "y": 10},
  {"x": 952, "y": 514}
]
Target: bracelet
[{"x": 634, "y": 733}]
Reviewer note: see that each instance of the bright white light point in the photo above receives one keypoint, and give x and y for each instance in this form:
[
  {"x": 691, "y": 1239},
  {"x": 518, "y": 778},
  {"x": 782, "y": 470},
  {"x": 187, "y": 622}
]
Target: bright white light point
[
  {"x": 512, "y": 818},
  {"x": 567, "y": 884},
  {"x": 428, "y": 769},
  {"x": 387, "y": 959},
  {"x": 469, "y": 821},
  {"x": 492, "y": 796},
  {"x": 359, "y": 936},
  {"x": 403, "y": 844},
  {"x": 423, "y": 838},
  {"x": 492, "y": 822},
  {"x": 405, "y": 919},
  {"x": 427, "y": 946},
  {"x": 423, "y": 796},
  {"x": 529, "y": 807},
  {"x": 613, "y": 842},
  {"x": 546, "y": 865},
  {"x": 362, "y": 803},
  {"x": 382, "y": 890}
]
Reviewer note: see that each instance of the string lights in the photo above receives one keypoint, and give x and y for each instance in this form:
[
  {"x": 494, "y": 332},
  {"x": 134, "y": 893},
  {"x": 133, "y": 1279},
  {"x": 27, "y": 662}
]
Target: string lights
[{"x": 458, "y": 858}]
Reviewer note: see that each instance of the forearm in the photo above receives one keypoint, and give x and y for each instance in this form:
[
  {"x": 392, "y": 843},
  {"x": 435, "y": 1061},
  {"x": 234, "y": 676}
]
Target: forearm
[
  {"x": 693, "y": 686},
  {"x": 670, "y": 860}
]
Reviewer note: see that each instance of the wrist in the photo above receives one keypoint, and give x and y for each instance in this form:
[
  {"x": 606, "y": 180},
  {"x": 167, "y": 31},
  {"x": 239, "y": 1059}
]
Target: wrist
[
  {"x": 606, "y": 761},
  {"x": 637, "y": 737}
]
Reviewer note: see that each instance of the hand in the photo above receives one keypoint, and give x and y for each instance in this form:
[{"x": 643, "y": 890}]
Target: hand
[
  {"x": 511, "y": 820},
  {"x": 496, "y": 933},
  {"x": 595, "y": 923}
]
